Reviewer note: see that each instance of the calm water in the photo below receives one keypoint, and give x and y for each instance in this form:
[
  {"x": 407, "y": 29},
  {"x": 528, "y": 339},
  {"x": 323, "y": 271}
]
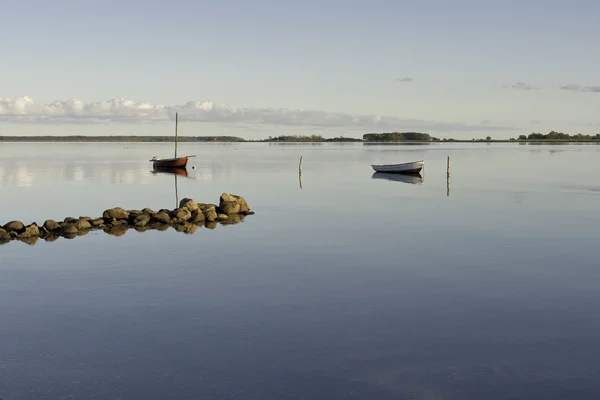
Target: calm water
[{"x": 349, "y": 287}]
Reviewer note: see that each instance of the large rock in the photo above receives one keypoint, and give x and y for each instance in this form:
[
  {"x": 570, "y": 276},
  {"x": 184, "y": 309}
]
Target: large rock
[
  {"x": 141, "y": 220},
  {"x": 189, "y": 204},
  {"x": 69, "y": 230},
  {"x": 30, "y": 231},
  {"x": 181, "y": 214},
  {"x": 82, "y": 225},
  {"x": 210, "y": 214},
  {"x": 197, "y": 216},
  {"x": 14, "y": 226},
  {"x": 115, "y": 213},
  {"x": 51, "y": 226},
  {"x": 97, "y": 222},
  {"x": 232, "y": 204},
  {"x": 161, "y": 217}
]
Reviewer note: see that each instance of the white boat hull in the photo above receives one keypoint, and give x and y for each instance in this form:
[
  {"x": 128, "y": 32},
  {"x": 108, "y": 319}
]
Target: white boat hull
[{"x": 406, "y": 168}]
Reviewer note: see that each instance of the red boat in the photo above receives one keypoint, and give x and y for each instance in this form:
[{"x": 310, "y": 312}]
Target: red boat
[
  {"x": 175, "y": 162},
  {"x": 179, "y": 162}
]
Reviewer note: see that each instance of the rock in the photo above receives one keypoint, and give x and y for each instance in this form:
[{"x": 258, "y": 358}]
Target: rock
[
  {"x": 161, "y": 217},
  {"x": 82, "y": 225},
  {"x": 69, "y": 229},
  {"x": 133, "y": 213},
  {"x": 181, "y": 214},
  {"x": 210, "y": 215},
  {"x": 148, "y": 211},
  {"x": 30, "y": 231},
  {"x": 197, "y": 217},
  {"x": 205, "y": 207},
  {"x": 13, "y": 234},
  {"x": 14, "y": 226},
  {"x": 51, "y": 225},
  {"x": 232, "y": 204},
  {"x": 69, "y": 220},
  {"x": 118, "y": 222},
  {"x": 189, "y": 204},
  {"x": 249, "y": 213},
  {"x": 4, "y": 236},
  {"x": 85, "y": 218},
  {"x": 141, "y": 220},
  {"x": 97, "y": 222},
  {"x": 115, "y": 213},
  {"x": 229, "y": 207}
]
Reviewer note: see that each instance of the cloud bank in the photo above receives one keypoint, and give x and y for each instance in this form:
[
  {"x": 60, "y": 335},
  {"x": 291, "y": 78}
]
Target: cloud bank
[
  {"x": 521, "y": 86},
  {"x": 118, "y": 110},
  {"x": 577, "y": 88}
]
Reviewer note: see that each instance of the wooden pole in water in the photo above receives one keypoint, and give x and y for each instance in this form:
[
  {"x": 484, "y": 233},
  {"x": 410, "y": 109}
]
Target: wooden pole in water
[
  {"x": 175, "y": 135},
  {"x": 300, "y": 172},
  {"x": 448, "y": 177}
]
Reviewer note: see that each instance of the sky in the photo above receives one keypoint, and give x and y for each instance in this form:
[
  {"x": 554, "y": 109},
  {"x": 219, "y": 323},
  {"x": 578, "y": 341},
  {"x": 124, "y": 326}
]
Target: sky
[{"x": 256, "y": 68}]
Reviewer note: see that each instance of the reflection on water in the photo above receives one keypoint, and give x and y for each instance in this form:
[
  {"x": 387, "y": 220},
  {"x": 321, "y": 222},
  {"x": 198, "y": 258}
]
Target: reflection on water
[
  {"x": 415, "y": 179},
  {"x": 120, "y": 229},
  {"x": 27, "y": 174}
]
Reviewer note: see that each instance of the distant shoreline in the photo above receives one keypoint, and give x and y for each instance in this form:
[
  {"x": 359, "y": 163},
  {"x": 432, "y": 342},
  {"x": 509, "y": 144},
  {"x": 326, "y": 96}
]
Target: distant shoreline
[{"x": 231, "y": 139}]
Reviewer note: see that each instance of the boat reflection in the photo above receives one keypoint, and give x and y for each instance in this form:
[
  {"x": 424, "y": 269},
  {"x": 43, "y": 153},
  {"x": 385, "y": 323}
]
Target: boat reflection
[
  {"x": 181, "y": 171},
  {"x": 415, "y": 179}
]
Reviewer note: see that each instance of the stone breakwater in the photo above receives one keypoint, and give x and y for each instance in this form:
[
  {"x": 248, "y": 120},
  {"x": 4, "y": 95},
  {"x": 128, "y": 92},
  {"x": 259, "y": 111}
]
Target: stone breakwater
[{"x": 187, "y": 218}]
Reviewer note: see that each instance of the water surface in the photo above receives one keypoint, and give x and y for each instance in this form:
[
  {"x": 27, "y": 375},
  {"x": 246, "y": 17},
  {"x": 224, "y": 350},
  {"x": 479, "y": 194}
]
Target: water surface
[{"x": 347, "y": 287}]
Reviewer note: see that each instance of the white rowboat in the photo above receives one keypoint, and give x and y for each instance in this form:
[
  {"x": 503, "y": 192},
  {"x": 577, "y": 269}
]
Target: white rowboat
[{"x": 406, "y": 168}]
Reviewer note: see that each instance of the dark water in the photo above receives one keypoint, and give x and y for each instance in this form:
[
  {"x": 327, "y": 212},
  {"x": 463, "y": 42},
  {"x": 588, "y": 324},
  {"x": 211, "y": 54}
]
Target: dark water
[{"x": 350, "y": 287}]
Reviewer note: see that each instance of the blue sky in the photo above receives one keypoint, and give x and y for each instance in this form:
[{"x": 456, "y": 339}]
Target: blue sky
[{"x": 258, "y": 68}]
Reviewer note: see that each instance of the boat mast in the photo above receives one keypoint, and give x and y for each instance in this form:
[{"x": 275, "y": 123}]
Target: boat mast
[{"x": 175, "y": 135}]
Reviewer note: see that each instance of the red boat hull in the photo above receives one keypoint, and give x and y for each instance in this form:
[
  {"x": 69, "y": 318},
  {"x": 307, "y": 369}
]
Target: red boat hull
[{"x": 179, "y": 162}]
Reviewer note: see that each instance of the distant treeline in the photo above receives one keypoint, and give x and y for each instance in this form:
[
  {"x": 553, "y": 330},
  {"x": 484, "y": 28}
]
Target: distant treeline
[
  {"x": 386, "y": 137},
  {"x": 81, "y": 138},
  {"x": 311, "y": 138},
  {"x": 553, "y": 135},
  {"x": 396, "y": 137},
  {"x": 368, "y": 137}
]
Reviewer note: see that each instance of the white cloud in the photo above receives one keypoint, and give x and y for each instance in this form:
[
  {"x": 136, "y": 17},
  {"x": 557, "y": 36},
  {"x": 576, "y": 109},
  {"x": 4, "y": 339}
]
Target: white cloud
[
  {"x": 521, "y": 86},
  {"x": 25, "y": 109},
  {"x": 574, "y": 87}
]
